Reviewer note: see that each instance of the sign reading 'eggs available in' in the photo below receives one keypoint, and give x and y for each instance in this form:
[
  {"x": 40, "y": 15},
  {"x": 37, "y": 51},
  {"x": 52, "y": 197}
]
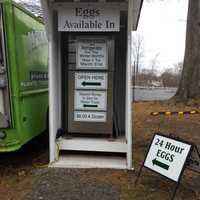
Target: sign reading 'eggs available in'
[{"x": 89, "y": 19}]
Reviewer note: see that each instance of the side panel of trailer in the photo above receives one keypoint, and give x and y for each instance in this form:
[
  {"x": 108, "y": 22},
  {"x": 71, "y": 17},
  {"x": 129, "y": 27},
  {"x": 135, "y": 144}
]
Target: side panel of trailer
[{"x": 27, "y": 73}]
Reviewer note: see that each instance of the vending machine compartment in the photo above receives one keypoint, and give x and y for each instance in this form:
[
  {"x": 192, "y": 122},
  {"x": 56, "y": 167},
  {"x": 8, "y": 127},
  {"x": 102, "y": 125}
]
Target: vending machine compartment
[{"x": 89, "y": 69}]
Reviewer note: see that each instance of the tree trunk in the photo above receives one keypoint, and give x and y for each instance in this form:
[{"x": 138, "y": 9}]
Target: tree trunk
[{"x": 189, "y": 87}]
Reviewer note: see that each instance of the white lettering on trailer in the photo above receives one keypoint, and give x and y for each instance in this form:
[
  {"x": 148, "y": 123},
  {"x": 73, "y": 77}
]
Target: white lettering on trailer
[
  {"x": 84, "y": 116},
  {"x": 90, "y": 100},
  {"x": 167, "y": 156},
  {"x": 89, "y": 80},
  {"x": 35, "y": 39}
]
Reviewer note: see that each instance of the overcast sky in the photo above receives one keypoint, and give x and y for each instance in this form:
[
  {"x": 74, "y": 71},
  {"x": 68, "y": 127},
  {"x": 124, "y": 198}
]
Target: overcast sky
[{"x": 163, "y": 27}]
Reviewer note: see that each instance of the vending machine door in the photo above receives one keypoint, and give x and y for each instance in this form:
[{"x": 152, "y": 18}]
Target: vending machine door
[{"x": 90, "y": 103}]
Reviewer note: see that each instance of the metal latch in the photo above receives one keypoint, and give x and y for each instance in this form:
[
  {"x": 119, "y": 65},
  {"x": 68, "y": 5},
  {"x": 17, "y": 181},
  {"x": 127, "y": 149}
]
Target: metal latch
[{"x": 3, "y": 82}]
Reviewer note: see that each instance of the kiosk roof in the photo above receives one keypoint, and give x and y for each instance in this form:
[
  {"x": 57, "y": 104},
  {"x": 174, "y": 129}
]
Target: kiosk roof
[{"x": 134, "y": 5}]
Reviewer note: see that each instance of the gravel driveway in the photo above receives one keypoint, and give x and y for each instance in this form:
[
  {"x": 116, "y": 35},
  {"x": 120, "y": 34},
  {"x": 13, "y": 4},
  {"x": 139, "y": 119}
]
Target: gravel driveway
[{"x": 74, "y": 184}]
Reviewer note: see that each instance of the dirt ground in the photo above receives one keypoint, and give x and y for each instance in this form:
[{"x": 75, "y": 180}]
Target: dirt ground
[{"x": 22, "y": 179}]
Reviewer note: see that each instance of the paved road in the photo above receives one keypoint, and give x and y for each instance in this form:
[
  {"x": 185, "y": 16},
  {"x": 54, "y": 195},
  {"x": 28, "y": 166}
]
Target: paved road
[{"x": 154, "y": 94}]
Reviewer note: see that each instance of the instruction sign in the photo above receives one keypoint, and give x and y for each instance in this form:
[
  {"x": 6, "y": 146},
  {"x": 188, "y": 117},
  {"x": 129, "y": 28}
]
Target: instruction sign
[
  {"x": 167, "y": 156},
  {"x": 89, "y": 18},
  {"x": 83, "y": 116},
  {"x": 90, "y": 100},
  {"x": 92, "y": 54},
  {"x": 89, "y": 80}
]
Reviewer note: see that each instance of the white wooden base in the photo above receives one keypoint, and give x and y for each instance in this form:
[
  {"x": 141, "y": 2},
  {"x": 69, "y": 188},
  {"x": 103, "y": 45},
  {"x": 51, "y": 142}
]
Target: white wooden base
[
  {"x": 111, "y": 153},
  {"x": 90, "y": 161},
  {"x": 94, "y": 144}
]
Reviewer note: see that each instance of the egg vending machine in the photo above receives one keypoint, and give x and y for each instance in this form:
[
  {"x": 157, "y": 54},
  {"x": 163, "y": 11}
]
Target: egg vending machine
[{"x": 90, "y": 83}]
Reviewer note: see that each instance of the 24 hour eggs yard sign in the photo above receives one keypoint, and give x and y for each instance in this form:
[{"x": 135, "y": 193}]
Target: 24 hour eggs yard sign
[{"x": 167, "y": 156}]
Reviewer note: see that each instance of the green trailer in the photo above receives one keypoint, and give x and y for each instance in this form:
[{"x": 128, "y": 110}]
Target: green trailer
[{"x": 23, "y": 76}]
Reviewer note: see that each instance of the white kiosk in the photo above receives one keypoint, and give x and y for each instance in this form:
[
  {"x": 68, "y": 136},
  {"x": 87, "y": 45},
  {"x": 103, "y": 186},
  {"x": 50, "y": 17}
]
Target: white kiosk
[{"x": 90, "y": 87}]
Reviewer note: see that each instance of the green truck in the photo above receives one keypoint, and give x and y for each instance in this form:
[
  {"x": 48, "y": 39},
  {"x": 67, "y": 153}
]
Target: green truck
[{"x": 23, "y": 76}]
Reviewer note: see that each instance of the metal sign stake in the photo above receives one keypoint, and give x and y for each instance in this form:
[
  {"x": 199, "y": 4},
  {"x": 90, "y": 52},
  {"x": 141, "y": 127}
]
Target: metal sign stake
[
  {"x": 194, "y": 160},
  {"x": 139, "y": 174},
  {"x": 175, "y": 190}
]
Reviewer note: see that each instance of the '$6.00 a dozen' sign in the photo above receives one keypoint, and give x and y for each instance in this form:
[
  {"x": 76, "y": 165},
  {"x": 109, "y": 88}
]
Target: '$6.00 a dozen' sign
[{"x": 167, "y": 156}]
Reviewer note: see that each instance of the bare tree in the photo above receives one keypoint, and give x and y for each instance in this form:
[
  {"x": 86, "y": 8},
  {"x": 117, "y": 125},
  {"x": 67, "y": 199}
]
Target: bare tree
[
  {"x": 138, "y": 54},
  {"x": 189, "y": 86},
  {"x": 154, "y": 63},
  {"x": 170, "y": 78},
  {"x": 178, "y": 68}
]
